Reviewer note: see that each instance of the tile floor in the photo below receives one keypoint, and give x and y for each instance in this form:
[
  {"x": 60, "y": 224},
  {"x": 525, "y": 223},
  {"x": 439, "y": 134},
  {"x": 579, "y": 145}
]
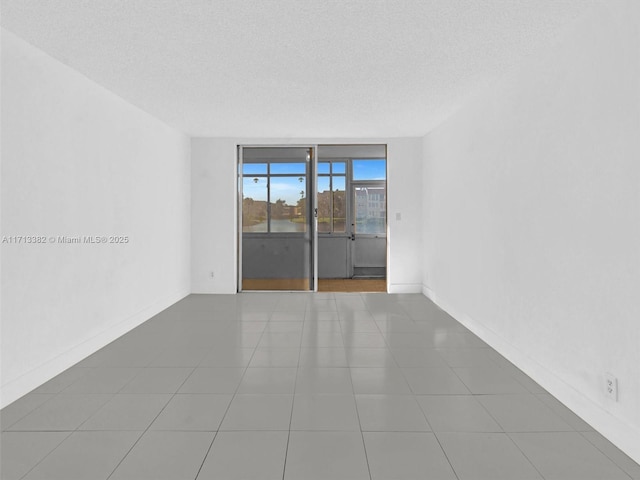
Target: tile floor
[{"x": 300, "y": 386}]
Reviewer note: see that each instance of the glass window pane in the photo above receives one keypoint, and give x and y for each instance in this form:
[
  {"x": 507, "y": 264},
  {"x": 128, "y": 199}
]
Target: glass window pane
[
  {"x": 323, "y": 167},
  {"x": 288, "y": 204},
  {"x": 339, "y": 204},
  {"x": 370, "y": 210},
  {"x": 254, "y": 204},
  {"x": 369, "y": 170},
  {"x": 324, "y": 205},
  {"x": 288, "y": 168},
  {"x": 254, "y": 168},
  {"x": 338, "y": 167}
]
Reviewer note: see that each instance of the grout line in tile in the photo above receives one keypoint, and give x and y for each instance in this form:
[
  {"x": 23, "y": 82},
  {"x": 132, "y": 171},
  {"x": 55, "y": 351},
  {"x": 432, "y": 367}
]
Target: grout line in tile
[
  {"x": 605, "y": 454},
  {"x": 444, "y": 452},
  {"x": 69, "y": 433},
  {"x": 151, "y": 423},
  {"x": 293, "y": 399},
  {"x": 353, "y": 393},
  {"x": 523, "y": 453}
]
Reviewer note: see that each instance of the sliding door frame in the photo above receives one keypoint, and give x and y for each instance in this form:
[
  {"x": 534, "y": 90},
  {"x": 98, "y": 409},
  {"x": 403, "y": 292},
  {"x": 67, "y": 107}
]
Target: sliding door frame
[{"x": 313, "y": 211}]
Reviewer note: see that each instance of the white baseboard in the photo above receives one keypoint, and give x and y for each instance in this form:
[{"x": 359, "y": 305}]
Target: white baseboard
[
  {"x": 22, "y": 385},
  {"x": 405, "y": 288},
  {"x": 626, "y": 437}
]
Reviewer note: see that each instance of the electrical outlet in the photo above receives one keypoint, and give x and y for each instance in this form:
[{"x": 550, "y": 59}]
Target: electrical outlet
[
  {"x": 611, "y": 386},
  {"x": 211, "y": 274}
]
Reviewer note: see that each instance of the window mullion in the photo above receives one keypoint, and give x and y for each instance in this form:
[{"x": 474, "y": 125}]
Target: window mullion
[
  {"x": 268, "y": 197},
  {"x": 330, "y": 202}
]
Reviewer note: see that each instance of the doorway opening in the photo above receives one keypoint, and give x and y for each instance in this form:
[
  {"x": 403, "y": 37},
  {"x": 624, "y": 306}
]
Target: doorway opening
[{"x": 312, "y": 218}]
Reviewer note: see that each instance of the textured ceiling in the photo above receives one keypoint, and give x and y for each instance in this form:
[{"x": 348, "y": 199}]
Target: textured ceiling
[{"x": 292, "y": 68}]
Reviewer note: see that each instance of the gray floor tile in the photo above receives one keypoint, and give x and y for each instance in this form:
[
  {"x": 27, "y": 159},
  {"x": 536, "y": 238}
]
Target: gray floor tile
[
  {"x": 127, "y": 412},
  {"x": 193, "y": 412},
  {"x": 325, "y": 412},
  {"x": 324, "y": 380},
  {"x": 390, "y": 413},
  {"x": 567, "y": 415},
  {"x": 239, "y": 340},
  {"x": 364, "y": 340},
  {"x": 227, "y": 357},
  {"x": 21, "y": 451},
  {"x": 284, "y": 327},
  {"x": 180, "y": 357},
  {"x": 391, "y": 318},
  {"x": 247, "y": 327},
  {"x": 308, "y": 452},
  {"x": 467, "y": 357},
  {"x": 350, "y": 302},
  {"x": 567, "y": 456},
  {"x": 258, "y": 412},
  {"x": 256, "y": 316},
  {"x": 379, "y": 380},
  {"x": 456, "y": 413},
  {"x": 434, "y": 381},
  {"x": 390, "y": 323},
  {"x": 213, "y": 380},
  {"x": 113, "y": 356},
  {"x": 319, "y": 317},
  {"x": 355, "y": 314},
  {"x": 408, "y": 340},
  {"x": 246, "y": 456},
  {"x": 418, "y": 357},
  {"x": 85, "y": 456},
  {"x": 102, "y": 380},
  {"x": 321, "y": 305},
  {"x": 486, "y": 456},
  {"x": 322, "y": 357},
  {"x": 485, "y": 381},
  {"x": 290, "y": 316},
  {"x": 62, "y": 412},
  {"x": 523, "y": 413},
  {"x": 370, "y": 357},
  {"x": 328, "y": 326},
  {"x": 268, "y": 380},
  {"x": 406, "y": 456},
  {"x": 157, "y": 380},
  {"x": 358, "y": 325},
  {"x": 165, "y": 456},
  {"x": 21, "y": 407},
  {"x": 275, "y": 357},
  {"x": 288, "y": 340},
  {"x": 326, "y": 339}
]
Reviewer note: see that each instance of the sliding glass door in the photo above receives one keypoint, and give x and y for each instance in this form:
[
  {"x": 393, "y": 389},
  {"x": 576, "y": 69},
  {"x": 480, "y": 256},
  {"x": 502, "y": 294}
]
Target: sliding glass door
[
  {"x": 277, "y": 220},
  {"x": 352, "y": 211}
]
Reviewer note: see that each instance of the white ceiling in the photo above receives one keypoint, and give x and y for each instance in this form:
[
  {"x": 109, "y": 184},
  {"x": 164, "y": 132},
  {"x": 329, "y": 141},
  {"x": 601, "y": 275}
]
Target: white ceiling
[{"x": 292, "y": 68}]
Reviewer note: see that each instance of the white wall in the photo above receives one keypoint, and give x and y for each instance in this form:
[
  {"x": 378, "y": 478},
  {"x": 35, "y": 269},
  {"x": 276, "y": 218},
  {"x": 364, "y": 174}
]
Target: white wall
[
  {"x": 532, "y": 218},
  {"x": 214, "y": 210},
  {"x": 78, "y": 160}
]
